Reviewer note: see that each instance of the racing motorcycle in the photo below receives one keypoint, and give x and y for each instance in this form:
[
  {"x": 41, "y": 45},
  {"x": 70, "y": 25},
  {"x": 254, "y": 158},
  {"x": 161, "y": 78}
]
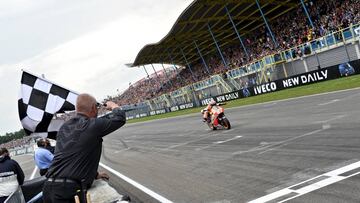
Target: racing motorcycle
[{"x": 214, "y": 117}]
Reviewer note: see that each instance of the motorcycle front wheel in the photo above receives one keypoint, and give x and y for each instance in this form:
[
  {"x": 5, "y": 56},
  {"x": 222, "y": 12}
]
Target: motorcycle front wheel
[{"x": 226, "y": 124}]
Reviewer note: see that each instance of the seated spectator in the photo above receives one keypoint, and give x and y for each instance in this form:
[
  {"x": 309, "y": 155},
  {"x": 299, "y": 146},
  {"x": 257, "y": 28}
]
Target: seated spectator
[{"x": 11, "y": 175}]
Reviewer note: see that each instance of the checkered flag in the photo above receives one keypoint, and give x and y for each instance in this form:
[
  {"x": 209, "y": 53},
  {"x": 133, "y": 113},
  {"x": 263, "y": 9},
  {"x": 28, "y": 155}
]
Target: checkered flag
[{"x": 39, "y": 101}]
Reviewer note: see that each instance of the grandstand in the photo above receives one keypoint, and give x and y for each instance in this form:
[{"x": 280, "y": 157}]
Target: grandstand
[{"x": 216, "y": 47}]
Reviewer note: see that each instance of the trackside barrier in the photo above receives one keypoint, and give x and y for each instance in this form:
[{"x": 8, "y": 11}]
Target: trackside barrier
[
  {"x": 25, "y": 150},
  {"x": 324, "y": 74},
  {"x": 319, "y": 75},
  {"x": 259, "y": 72}
]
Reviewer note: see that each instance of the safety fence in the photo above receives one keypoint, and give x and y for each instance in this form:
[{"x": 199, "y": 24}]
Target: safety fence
[{"x": 28, "y": 149}]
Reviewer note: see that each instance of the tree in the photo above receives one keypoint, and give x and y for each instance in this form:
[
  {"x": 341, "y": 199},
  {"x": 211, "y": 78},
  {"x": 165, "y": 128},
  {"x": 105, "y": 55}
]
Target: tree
[{"x": 12, "y": 136}]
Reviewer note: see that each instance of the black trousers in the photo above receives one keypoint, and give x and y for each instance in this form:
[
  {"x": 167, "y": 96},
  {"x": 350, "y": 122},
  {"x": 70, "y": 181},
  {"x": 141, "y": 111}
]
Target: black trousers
[
  {"x": 43, "y": 171},
  {"x": 64, "y": 192},
  {"x": 2, "y": 199}
]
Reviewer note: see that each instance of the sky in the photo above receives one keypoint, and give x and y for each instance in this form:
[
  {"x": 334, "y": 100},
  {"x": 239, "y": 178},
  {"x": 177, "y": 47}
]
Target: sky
[{"x": 82, "y": 45}]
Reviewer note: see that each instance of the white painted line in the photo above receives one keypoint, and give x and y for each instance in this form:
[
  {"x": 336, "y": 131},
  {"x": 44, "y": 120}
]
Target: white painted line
[
  {"x": 137, "y": 185},
  {"x": 270, "y": 104},
  {"x": 258, "y": 148},
  {"x": 33, "y": 173},
  {"x": 221, "y": 142},
  {"x": 343, "y": 169},
  {"x": 316, "y": 186},
  {"x": 320, "y": 184},
  {"x": 272, "y": 196},
  {"x": 331, "y": 119},
  {"x": 186, "y": 143},
  {"x": 333, "y": 177},
  {"x": 282, "y": 143},
  {"x": 218, "y": 142},
  {"x": 330, "y": 102}
]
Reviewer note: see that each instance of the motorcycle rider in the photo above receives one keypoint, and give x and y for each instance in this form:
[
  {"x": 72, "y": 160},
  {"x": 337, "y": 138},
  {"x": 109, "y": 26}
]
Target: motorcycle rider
[{"x": 207, "y": 111}]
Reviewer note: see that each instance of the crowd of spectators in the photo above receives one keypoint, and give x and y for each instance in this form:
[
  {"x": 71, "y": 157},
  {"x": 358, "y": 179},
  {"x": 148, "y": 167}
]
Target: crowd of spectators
[
  {"x": 146, "y": 88},
  {"x": 18, "y": 143},
  {"x": 290, "y": 30}
]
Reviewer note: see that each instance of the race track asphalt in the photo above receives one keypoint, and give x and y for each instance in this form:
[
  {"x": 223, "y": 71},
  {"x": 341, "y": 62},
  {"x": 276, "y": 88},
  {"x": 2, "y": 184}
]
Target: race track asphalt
[
  {"x": 27, "y": 164},
  {"x": 270, "y": 147}
]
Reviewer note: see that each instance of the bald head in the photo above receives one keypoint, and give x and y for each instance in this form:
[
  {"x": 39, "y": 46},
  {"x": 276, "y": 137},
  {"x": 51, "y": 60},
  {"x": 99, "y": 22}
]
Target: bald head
[{"x": 86, "y": 104}]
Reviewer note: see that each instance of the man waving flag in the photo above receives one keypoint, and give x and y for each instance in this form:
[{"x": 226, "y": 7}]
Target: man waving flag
[{"x": 39, "y": 101}]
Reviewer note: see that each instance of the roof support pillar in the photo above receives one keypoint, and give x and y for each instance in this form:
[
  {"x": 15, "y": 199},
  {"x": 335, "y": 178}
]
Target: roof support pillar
[
  {"x": 172, "y": 61},
  {"x": 266, "y": 23},
  {"x": 237, "y": 32},
  {"x": 177, "y": 70},
  {"x": 202, "y": 58},
  {"x": 159, "y": 81},
  {"x": 307, "y": 14},
  {"x": 167, "y": 77},
  {"x": 217, "y": 46},
  {"x": 155, "y": 72},
  {"x": 146, "y": 72},
  {"x": 188, "y": 64}
]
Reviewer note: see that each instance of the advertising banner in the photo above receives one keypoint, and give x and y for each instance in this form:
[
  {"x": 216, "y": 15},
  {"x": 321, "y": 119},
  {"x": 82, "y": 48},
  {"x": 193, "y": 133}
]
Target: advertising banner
[
  {"x": 324, "y": 74},
  {"x": 182, "y": 106}
]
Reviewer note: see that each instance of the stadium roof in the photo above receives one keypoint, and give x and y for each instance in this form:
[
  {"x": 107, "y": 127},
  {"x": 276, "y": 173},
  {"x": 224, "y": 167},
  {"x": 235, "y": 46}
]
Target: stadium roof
[{"x": 192, "y": 25}]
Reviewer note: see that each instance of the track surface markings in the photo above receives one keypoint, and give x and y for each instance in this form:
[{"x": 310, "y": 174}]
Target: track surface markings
[
  {"x": 268, "y": 147},
  {"x": 218, "y": 142},
  {"x": 137, "y": 185},
  {"x": 332, "y": 119},
  {"x": 315, "y": 184},
  {"x": 186, "y": 143},
  {"x": 330, "y": 102},
  {"x": 285, "y": 142}
]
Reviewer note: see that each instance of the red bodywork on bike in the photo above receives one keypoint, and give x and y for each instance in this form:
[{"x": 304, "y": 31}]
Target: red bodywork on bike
[{"x": 214, "y": 116}]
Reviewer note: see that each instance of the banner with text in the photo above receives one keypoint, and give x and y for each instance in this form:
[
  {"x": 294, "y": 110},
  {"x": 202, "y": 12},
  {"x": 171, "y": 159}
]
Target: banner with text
[{"x": 330, "y": 73}]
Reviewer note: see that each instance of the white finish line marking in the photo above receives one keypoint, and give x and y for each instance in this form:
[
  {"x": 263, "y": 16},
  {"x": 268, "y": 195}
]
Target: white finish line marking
[
  {"x": 328, "y": 179},
  {"x": 137, "y": 185}
]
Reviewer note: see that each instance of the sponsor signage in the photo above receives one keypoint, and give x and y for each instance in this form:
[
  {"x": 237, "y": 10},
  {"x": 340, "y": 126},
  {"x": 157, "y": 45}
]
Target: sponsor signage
[
  {"x": 324, "y": 74},
  {"x": 181, "y": 107},
  {"x": 157, "y": 112},
  {"x": 342, "y": 70}
]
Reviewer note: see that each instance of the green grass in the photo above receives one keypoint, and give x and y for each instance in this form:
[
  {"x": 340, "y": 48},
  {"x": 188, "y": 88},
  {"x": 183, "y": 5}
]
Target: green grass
[{"x": 321, "y": 87}]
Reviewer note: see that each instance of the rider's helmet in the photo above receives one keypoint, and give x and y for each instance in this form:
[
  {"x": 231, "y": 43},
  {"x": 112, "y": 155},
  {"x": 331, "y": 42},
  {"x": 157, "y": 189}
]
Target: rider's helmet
[{"x": 212, "y": 102}]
